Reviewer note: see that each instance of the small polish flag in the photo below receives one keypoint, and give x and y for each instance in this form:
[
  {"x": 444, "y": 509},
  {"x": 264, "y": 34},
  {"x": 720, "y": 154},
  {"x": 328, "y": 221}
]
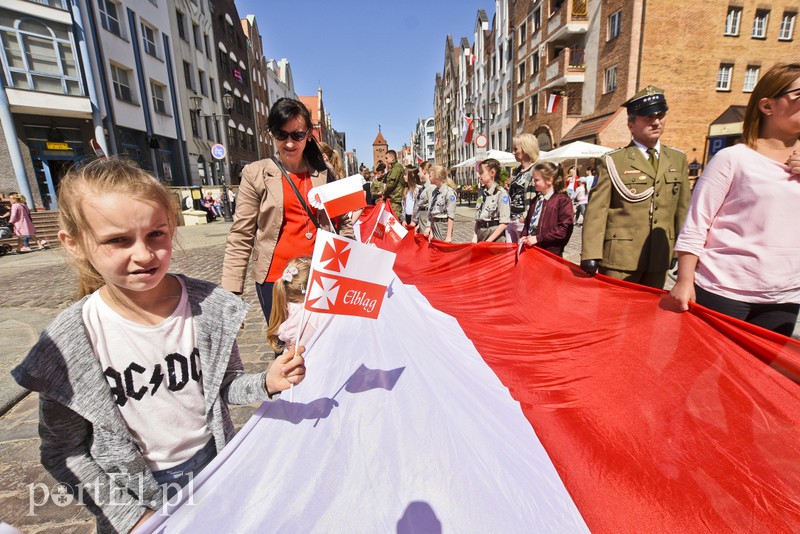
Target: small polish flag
[
  {"x": 468, "y": 130},
  {"x": 389, "y": 227},
  {"x": 348, "y": 277},
  {"x": 552, "y": 104},
  {"x": 419, "y": 159},
  {"x": 339, "y": 197}
]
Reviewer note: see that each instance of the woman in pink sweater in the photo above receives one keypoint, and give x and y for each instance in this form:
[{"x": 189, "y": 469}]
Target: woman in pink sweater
[
  {"x": 23, "y": 226},
  {"x": 738, "y": 251}
]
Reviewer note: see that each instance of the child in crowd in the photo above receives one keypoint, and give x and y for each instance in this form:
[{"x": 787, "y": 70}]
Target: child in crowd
[
  {"x": 134, "y": 379},
  {"x": 550, "y": 218},
  {"x": 23, "y": 225},
  {"x": 422, "y": 200},
  {"x": 442, "y": 207},
  {"x": 581, "y": 199},
  {"x": 288, "y": 295},
  {"x": 494, "y": 209}
]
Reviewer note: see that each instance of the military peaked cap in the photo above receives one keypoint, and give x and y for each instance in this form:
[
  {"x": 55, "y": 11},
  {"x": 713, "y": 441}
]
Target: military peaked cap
[{"x": 648, "y": 101}]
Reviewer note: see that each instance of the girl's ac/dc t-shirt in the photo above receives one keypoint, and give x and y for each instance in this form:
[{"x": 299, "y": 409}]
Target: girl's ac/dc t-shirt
[
  {"x": 292, "y": 241},
  {"x": 155, "y": 378}
]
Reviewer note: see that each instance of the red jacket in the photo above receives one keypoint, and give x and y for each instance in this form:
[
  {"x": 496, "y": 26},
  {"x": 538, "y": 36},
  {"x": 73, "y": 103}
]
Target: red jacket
[{"x": 555, "y": 223}]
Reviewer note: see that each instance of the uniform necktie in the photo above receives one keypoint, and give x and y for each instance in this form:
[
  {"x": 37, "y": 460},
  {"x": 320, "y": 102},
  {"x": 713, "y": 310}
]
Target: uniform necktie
[
  {"x": 536, "y": 212},
  {"x": 434, "y": 196},
  {"x": 652, "y": 157}
]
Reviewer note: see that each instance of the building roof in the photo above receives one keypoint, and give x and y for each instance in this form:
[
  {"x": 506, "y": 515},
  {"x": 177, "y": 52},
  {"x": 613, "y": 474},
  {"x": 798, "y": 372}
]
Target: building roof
[
  {"x": 588, "y": 128},
  {"x": 312, "y": 104},
  {"x": 379, "y": 140}
]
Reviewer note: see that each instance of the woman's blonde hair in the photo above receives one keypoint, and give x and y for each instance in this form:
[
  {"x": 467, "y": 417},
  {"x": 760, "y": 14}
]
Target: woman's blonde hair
[
  {"x": 333, "y": 159},
  {"x": 528, "y": 143},
  {"x": 99, "y": 177},
  {"x": 17, "y": 198},
  {"x": 439, "y": 172},
  {"x": 774, "y": 82},
  {"x": 291, "y": 287}
]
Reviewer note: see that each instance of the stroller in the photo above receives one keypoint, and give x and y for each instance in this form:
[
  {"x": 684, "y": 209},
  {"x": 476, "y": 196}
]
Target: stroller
[{"x": 5, "y": 231}]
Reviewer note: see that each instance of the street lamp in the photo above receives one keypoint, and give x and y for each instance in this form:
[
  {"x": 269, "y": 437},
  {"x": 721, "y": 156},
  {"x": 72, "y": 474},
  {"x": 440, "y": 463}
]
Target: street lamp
[
  {"x": 195, "y": 106},
  {"x": 494, "y": 107}
]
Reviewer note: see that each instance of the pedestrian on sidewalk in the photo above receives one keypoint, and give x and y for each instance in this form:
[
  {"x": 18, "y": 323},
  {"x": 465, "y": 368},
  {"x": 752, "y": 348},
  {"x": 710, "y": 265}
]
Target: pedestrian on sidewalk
[
  {"x": 124, "y": 376},
  {"x": 442, "y": 207},
  {"x": 581, "y": 199},
  {"x": 274, "y": 220},
  {"x": 738, "y": 249},
  {"x": 493, "y": 212},
  {"x": 23, "y": 225},
  {"x": 549, "y": 221},
  {"x": 520, "y": 189}
]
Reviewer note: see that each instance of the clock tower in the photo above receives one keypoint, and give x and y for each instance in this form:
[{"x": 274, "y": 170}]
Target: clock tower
[{"x": 379, "y": 148}]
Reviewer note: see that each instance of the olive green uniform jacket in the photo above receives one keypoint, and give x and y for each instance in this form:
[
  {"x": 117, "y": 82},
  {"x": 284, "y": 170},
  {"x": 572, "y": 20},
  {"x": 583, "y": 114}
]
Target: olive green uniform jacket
[
  {"x": 630, "y": 235},
  {"x": 394, "y": 188}
]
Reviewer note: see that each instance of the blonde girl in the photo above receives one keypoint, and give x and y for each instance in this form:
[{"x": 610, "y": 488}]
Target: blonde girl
[
  {"x": 288, "y": 296},
  {"x": 332, "y": 158},
  {"x": 422, "y": 199},
  {"x": 134, "y": 378},
  {"x": 23, "y": 225},
  {"x": 442, "y": 206}
]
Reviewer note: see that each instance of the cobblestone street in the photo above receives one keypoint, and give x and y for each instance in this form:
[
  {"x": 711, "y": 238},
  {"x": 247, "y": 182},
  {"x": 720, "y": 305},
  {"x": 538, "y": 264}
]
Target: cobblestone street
[{"x": 42, "y": 287}]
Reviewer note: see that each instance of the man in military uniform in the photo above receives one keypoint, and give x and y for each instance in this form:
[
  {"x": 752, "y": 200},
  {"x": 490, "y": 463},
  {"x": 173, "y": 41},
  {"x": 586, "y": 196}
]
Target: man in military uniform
[
  {"x": 637, "y": 208},
  {"x": 494, "y": 210},
  {"x": 378, "y": 183},
  {"x": 394, "y": 183}
]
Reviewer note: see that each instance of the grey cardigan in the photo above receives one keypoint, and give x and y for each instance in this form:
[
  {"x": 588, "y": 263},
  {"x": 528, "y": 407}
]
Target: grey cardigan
[{"x": 85, "y": 443}]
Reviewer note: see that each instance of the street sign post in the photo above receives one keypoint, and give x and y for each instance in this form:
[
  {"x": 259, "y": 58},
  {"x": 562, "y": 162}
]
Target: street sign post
[
  {"x": 218, "y": 151},
  {"x": 481, "y": 142}
]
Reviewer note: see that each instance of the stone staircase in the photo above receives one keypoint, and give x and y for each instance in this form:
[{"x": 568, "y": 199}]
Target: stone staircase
[{"x": 46, "y": 223}]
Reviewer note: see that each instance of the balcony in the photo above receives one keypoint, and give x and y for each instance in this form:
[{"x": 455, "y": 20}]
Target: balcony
[
  {"x": 567, "y": 17},
  {"x": 568, "y": 67}
]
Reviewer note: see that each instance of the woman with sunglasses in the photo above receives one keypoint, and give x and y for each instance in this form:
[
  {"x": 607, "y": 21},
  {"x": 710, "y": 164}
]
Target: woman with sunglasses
[
  {"x": 738, "y": 251},
  {"x": 274, "y": 221}
]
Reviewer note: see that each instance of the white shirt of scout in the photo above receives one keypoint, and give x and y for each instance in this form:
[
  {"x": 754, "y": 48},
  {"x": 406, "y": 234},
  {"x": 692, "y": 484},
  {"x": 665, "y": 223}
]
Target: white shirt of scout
[
  {"x": 155, "y": 378},
  {"x": 443, "y": 203},
  {"x": 494, "y": 205}
]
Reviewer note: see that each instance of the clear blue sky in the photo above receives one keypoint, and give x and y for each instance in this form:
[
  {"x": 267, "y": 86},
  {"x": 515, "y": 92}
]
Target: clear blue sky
[{"x": 376, "y": 61}]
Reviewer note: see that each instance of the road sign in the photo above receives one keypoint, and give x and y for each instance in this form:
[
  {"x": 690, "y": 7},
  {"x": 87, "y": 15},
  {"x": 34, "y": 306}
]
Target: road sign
[
  {"x": 218, "y": 151},
  {"x": 481, "y": 141}
]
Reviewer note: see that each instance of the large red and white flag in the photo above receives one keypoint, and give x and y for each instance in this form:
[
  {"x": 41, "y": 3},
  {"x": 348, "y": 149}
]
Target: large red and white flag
[
  {"x": 348, "y": 277},
  {"x": 389, "y": 227},
  {"x": 469, "y": 130},
  {"x": 339, "y": 197}
]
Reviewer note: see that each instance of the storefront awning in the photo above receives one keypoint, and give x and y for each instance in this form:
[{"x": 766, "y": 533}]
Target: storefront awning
[
  {"x": 588, "y": 129},
  {"x": 729, "y": 123}
]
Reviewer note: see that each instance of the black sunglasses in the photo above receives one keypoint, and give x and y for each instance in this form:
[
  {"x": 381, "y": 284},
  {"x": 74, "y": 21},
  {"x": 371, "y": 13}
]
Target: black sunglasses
[
  {"x": 280, "y": 135},
  {"x": 790, "y": 91}
]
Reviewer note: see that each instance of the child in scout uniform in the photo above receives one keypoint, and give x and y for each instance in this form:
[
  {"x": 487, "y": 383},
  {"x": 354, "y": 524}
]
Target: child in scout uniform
[
  {"x": 442, "y": 207},
  {"x": 494, "y": 209},
  {"x": 422, "y": 200}
]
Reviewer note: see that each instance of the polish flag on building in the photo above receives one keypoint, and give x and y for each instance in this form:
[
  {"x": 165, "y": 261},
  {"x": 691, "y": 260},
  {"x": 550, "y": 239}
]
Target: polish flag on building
[
  {"x": 388, "y": 228},
  {"x": 420, "y": 160},
  {"x": 348, "y": 277},
  {"x": 339, "y": 197},
  {"x": 552, "y": 104},
  {"x": 468, "y": 130}
]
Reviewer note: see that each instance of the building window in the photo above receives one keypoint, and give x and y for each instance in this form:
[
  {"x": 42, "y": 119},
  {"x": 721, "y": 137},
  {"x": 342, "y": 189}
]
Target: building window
[
  {"x": 181, "y": 25},
  {"x": 122, "y": 85},
  {"x": 188, "y": 75},
  {"x": 109, "y": 18},
  {"x": 787, "y": 26},
  {"x": 535, "y": 104},
  {"x": 537, "y": 19},
  {"x": 213, "y": 87},
  {"x": 521, "y": 78},
  {"x": 203, "y": 83},
  {"x": 724, "y": 77},
  {"x": 520, "y": 110},
  {"x": 523, "y": 33},
  {"x": 535, "y": 61},
  {"x": 732, "y": 21},
  {"x": 149, "y": 40},
  {"x": 39, "y": 56},
  {"x": 205, "y": 44},
  {"x": 760, "y": 24},
  {"x": 195, "y": 124},
  {"x": 614, "y": 25},
  {"x": 210, "y": 128},
  {"x": 157, "y": 92},
  {"x": 750, "y": 78},
  {"x": 198, "y": 41},
  {"x": 611, "y": 80}
]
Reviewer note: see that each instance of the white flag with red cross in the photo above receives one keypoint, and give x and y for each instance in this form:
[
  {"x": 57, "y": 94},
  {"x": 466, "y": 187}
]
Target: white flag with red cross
[
  {"x": 389, "y": 227},
  {"x": 348, "y": 277},
  {"x": 339, "y": 197}
]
